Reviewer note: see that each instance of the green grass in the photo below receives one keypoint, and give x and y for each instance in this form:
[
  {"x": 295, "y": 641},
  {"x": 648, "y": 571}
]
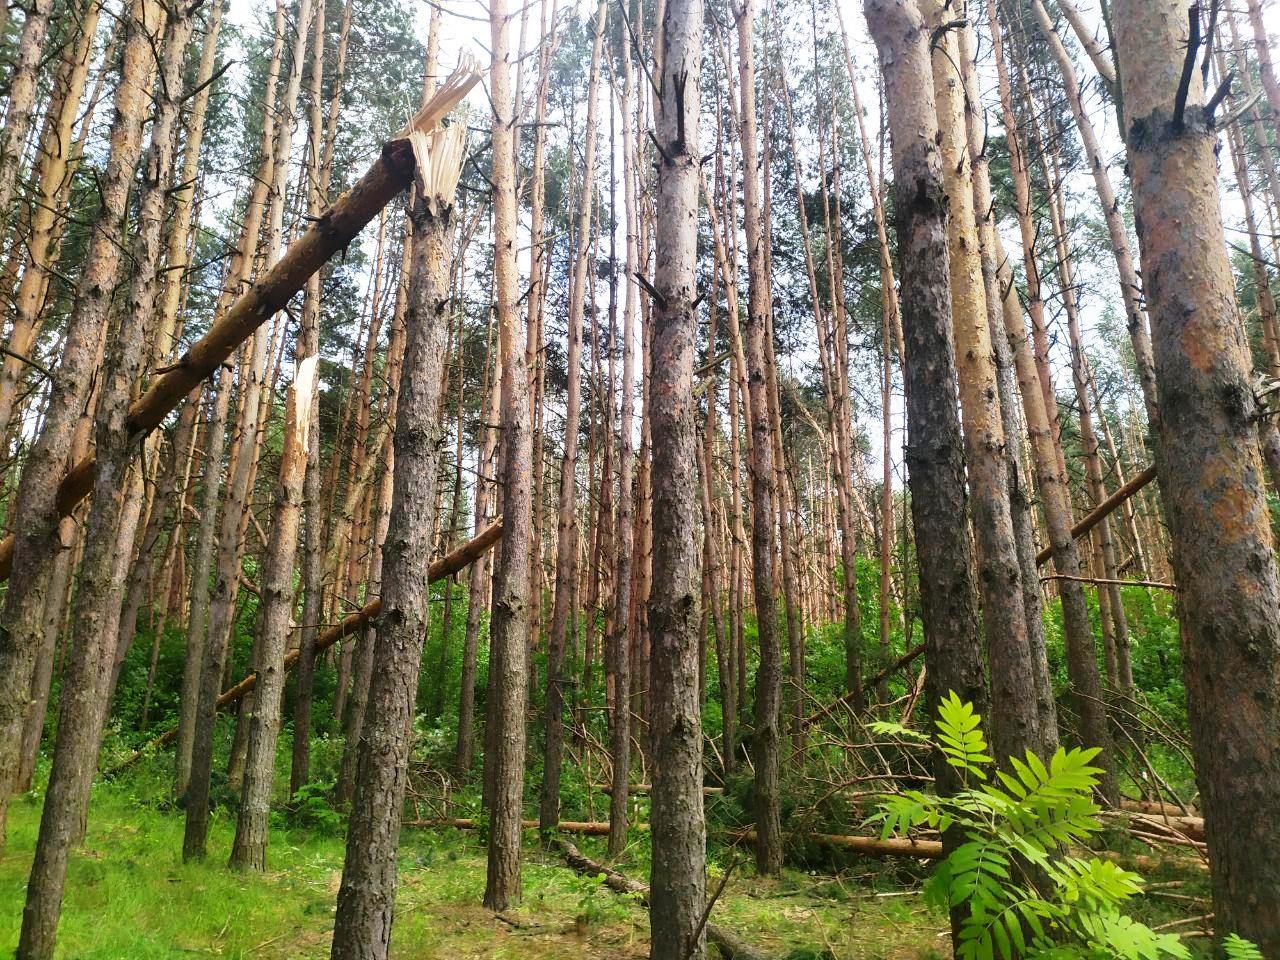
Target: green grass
[{"x": 130, "y": 896}]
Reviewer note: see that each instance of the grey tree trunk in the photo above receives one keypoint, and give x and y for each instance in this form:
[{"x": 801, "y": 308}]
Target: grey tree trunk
[
  {"x": 249, "y": 850},
  {"x": 677, "y": 893},
  {"x": 201, "y": 568},
  {"x": 567, "y": 525},
  {"x": 934, "y": 451},
  {"x": 113, "y": 513},
  {"x": 366, "y": 899}
]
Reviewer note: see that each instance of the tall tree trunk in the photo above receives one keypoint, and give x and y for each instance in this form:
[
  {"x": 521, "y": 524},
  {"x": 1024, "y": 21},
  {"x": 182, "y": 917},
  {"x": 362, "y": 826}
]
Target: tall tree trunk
[
  {"x": 1035, "y": 708},
  {"x": 312, "y": 521},
  {"x": 249, "y": 850},
  {"x": 1015, "y": 721},
  {"x": 476, "y": 582},
  {"x": 1040, "y": 409},
  {"x": 508, "y": 625},
  {"x": 1210, "y": 471},
  {"x": 768, "y": 696},
  {"x": 366, "y": 899},
  {"x": 935, "y": 453},
  {"x": 231, "y": 532},
  {"x": 202, "y": 567},
  {"x": 619, "y": 641},
  {"x": 677, "y": 894}
]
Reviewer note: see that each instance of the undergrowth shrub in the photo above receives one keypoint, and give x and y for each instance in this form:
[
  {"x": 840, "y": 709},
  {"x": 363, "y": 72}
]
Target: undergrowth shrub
[{"x": 1022, "y": 894}]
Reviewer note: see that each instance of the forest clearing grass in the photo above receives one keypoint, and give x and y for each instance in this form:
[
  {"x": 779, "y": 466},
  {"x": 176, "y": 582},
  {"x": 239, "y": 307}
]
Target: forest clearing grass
[{"x": 130, "y": 896}]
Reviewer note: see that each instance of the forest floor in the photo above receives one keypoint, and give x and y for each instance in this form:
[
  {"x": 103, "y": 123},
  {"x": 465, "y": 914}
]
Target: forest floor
[{"x": 130, "y": 896}]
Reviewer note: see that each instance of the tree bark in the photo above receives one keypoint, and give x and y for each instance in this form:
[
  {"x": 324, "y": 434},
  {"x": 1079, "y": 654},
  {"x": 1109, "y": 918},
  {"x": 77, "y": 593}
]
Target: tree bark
[
  {"x": 37, "y": 508},
  {"x": 113, "y": 514},
  {"x": 24, "y": 79},
  {"x": 934, "y": 451},
  {"x": 249, "y": 850},
  {"x": 679, "y": 833},
  {"x": 366, "y": 899},
  {"x": 53, "y": 180},
  {"x": 1015, "y": 720},
  {"x": 509, "y": 622},
  {"x": 312, "y": 520},
  {"x": 768, "y": 694},
  {"x": 619, "y": 641},
  {"x": 1210, "y": 471},
  {"x": 202, "y": 567}
]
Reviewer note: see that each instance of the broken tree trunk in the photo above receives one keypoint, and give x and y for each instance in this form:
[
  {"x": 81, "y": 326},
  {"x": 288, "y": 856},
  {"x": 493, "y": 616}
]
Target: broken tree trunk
[{"x": 331, "y": 234}]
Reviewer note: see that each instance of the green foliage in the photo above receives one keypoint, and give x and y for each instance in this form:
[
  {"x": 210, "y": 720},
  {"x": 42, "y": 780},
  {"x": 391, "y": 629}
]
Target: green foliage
[
  {"x": 1238, "y": 948},
  {"x": 310, "y": 809},
  {"x": 1019, "y": 894}
]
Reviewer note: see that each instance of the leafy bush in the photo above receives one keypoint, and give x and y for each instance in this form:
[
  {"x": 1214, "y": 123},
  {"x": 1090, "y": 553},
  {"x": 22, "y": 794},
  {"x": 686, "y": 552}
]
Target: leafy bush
[{"x": 1021, "y": 894}]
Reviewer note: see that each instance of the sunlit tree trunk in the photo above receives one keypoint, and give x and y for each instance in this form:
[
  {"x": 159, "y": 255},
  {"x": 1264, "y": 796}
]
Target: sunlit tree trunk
[
  {"x": 1210, "y": 471},
  {"x": 36, "y": 514},
  {"x": 508, "y": 626},
  {"x": 1015, "y": 722}
]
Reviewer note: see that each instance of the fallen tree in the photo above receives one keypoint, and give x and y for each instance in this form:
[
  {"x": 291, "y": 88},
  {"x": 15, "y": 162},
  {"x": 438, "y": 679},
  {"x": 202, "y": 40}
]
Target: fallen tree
[
  {"x": 329, "y": 234},
  {"x": 730, "y": 945},
  {"x": 870, "y": 846},
  {"x": 903, "y": 661},
  {"x": 1102, "y": 510},
  {"x": 446, "y": 566}
]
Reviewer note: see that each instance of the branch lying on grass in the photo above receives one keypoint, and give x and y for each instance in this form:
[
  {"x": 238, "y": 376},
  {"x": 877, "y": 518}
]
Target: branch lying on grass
[{"x": 729, "y": 943}]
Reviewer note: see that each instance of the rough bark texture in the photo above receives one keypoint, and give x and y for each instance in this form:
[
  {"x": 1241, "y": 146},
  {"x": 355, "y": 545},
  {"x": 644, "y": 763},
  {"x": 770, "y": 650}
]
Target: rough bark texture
[
  {"x": 509, "y": 622},
  {"x": 1015, "y": 722},
  {"x": 1041, "y": 420},
  {"x": 679, "y": 839},
  {"x": 366, "y": 899},
  {"x": 1210, "y": 472},
  {"x": 33, "y": 545},
  {"x": 768, "y": 698},
  {"x": 618, "y": 652},
  {"x": 24, "y": 76},
  {"x": 1027, "y": 718},
  {"x": 934, "y": 451},
  {"x": 312, "y": 520},
  {"x": 249, "y": 851},
  {"x": 201, "y": 568},
  {"x": 53, "y": 181}
]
